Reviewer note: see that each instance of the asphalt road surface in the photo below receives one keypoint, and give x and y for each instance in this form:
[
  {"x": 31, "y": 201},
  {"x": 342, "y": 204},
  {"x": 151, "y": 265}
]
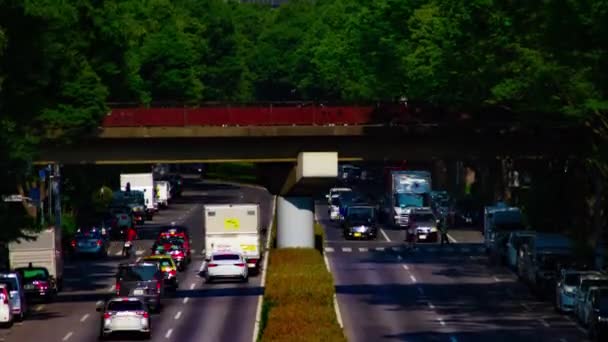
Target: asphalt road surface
[
  {"x": 197, "y": 312},
  {"x": 450, "y": 293}
]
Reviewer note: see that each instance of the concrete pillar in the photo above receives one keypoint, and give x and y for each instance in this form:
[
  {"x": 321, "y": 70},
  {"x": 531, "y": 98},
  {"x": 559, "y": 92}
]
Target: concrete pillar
[{"x": 295, "y": 222}]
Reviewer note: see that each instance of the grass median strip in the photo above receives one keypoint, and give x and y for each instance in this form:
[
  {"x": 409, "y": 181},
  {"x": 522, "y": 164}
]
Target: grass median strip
[{"x": 298, "y": 298}]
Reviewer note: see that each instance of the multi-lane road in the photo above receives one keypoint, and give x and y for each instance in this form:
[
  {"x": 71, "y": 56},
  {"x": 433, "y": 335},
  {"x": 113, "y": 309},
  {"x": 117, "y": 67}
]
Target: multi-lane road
[
  {"x": 197, "y": 312},
  {"x": 386, "y": 292}
]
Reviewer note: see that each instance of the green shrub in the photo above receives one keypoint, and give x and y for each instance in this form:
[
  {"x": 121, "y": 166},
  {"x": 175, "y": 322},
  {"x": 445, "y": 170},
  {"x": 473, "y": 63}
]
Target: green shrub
[{"x": 299, "y": 292}]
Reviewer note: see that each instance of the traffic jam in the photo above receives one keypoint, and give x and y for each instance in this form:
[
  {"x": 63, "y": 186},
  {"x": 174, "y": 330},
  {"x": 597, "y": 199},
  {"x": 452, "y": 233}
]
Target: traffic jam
[
  {"x": 142, "y": 282},
  {"x": 546, "y": 262}
]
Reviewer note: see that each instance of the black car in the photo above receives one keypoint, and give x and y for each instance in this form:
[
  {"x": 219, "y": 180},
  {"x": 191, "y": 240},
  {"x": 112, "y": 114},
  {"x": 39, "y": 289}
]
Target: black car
[
  {"x": 360, "y": 222},
  {"x": 598, "y": 319},
  {"x": 142, "y": 280},
  {"x": 37, "y": 282}
]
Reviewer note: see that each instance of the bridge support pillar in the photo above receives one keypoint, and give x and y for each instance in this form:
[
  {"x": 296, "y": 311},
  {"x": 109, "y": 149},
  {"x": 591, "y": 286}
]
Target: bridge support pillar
[{"x": 295, "y": 222}]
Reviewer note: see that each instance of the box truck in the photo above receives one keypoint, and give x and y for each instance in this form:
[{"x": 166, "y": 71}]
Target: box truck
[{"x": 143, "y": 182}]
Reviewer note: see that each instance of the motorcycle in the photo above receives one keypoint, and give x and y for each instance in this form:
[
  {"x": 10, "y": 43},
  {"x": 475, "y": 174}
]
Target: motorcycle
[{"x": 126, "y": 250}]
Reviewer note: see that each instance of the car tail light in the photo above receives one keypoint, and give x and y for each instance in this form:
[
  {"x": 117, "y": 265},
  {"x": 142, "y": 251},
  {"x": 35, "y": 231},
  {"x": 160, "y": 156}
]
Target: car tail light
[
  {"x": 158, "y": 287},
  {"x": 212, "y": 265},
  {"x": 73, "y": 243},
  {"x": 172, "y": 273},
  {"x": 107, "y": 315},
  {"x": 240, "y": 265},
  {"x": 143, "y": 314},
  {"x": 117, "y": 288},
  {"x": 99, "y": 242},
  {"x": 4, "y": 298}
]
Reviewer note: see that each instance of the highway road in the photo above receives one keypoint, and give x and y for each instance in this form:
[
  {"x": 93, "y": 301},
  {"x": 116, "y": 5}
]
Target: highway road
[
  {"x": 197, "y": 312},
  {"x": 386, "y": 292}
]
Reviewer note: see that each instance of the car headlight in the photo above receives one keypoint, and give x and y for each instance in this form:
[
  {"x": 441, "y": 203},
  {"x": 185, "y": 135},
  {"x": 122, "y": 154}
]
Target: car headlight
[
  {"x": 433, "y": 229},
  {"x": 603, "y": 318}
]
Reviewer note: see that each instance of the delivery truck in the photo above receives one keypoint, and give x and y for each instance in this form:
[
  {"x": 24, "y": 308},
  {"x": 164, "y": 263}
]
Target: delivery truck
[
  {"x": 143, "y": 182},
  {"x": 163, "y": 190},
  {"x": 405, "y": 190},
  {"x": 233, "y": 227},
  {"x": 44, "y": 250}
]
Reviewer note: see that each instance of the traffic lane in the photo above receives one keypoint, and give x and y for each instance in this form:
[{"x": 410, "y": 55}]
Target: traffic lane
[
  {"x": 378, "y": 300},
  {"x": 478, "y": 303},
  {"x": 87, "y": 280}
]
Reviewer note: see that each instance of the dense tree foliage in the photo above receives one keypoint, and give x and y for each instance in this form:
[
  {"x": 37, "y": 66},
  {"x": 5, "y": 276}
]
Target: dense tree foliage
[{"x": 61, "y": 62}]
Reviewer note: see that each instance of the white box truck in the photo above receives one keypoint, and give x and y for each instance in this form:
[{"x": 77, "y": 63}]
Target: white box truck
[
  {"x": 233, "y": 227},
  {"x": 43, "y": 251},
  {"x": 143, "y": 182},
  {"x": 163, "y": 189},
  {"x": 406, "y": 190}
]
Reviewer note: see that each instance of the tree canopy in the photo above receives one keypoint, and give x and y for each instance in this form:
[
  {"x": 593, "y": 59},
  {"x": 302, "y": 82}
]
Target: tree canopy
[{"x": 62, "y": 62}]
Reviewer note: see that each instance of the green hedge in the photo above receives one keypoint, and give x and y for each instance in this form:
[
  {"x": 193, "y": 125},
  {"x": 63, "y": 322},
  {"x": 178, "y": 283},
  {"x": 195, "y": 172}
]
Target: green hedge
[{"x": 299, "y": 298}]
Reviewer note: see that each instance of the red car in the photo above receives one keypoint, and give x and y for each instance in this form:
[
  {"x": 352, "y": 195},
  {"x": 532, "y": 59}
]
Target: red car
[{"x": 177, "y": 232}]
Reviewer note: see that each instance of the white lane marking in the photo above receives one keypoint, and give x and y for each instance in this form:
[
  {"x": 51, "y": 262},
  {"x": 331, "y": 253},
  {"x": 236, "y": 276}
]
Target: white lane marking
[
  {"x": 329, "y": 249},
  {"x": 496, "y": 279},
  {"x": 192, "y": 286},
  {"x": 420, "y": 290},
  {"x": 326, "y": 263},
  {"x": 138, "y": 259},
  {"x": 441, "y": 322},
  {"x": 192, "y": 251},
  {"x": 380, "y": 249},
  {"x": 581, "y": 329},
  {"x": 405, "y": 267},
  {"x": 413, "y": 278},
  {"x": 39, "y": 307},
  {"x": 396, "y": 249},
  {"x": 526, "y": 306},
  {"x": 431, "y": 306},
  {"x": 338, "y": 314},
  {"x": 178, "y": 315},
  {"x": 140, "y": 252},
  {"x": 169, "y": 332},
  {"x": 112, "y": 288},
  {"x": 203, "y": 265},
  {"x": 84, "y": 318},
  {"x": 453, "y": 339},
  {"x": 544, "y": 323},
  {"x": 451, "y": 238},
  {"x": 67, "y": 336},
  {"x": 384, "y": 235},
  {"x": 186, "y": 300},
  {"x": 118, "y": 253},
  {"x": 347, "y": 249},
  {"x": 362, "y": 249}
]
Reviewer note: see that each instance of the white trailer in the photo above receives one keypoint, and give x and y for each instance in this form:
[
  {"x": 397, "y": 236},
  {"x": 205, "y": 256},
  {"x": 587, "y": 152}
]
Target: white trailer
[
  {"x": 407, "y": 190},
  {"x": 43, "y": 251},
  {"x": 143, "y": 182},
  {"x": 163, "y": 189},
  {"x": 233, "y": 227}
]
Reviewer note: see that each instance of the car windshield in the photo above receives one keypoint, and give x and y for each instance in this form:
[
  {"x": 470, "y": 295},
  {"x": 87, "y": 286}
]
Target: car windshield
[
  {"x": 172, "y": 240},
  {"x": 125, "y": 306},
  {"x": 423, "y": 217},
  {"x": 226, "y": 257},
  {"x": 137, "y": 273},
  {"x": 11, "y": 283},
  {"x": 411, "y": 200},
  {"x": 361, "y": 214},
  {"x": 165, "y": 262},
  {"x": 571, "y": 279},
  {"x": 31, "y": 274}
]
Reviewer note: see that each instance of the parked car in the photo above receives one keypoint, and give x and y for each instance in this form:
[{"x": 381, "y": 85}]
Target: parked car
[
  {"x": 567, "y": 286},
  {"x": 598, "y": 318},
  {"x": 591, "y": 303},
  {"x": 142, "y": 280},
  {"x": 126, "y": 314},
  {"x": 14, "y": 285},
  {"x": 582, "y": 294},
  {"x": 37, "y": 283},
  {"x": 6, "y": 307},
  {"x": 226, "y": 265}
]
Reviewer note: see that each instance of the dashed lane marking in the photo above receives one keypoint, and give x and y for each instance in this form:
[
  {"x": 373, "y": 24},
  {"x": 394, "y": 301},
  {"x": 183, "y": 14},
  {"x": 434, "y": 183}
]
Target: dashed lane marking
[
  {"x": 396, "y": 249},
  {"x": 363, "y": 249},
  {"x": 112, "y": 288},
  {"x": 67, "y": 336},
  {"x": 186, "y": 300},
  {"x": 118, "y": 253},
  {"x": 442, "y": 322},
  {"x": 380, "y": 249},
  {"x": 84, "y": 318},
  {"x": 452, "y": 239},
  {"x": 384, "y": 235},
  {"x": 329, "y": 249},
  {"x": 544, "y": 323},
  {"x": 138, "y": 259},
  {"x": 139, "y": 252},
  {"x": 405, "y": 267},
  {"x": 526, "y": 306},
  {"x": 39, "y": 307},
  {"x": 346, "y": 249},
  {"x": 496, "y": 279},
  {"x": 192, "y": 286},
  {"x": 413, "y": 278},
  {"x": 431, "y": 306},
  {"x": 169, "y": 332},
  {"x": 177, "y": 315}
]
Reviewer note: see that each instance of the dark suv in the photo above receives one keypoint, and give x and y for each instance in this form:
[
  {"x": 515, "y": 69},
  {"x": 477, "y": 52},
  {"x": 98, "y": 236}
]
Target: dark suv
[{"x": 142, "y": 280}]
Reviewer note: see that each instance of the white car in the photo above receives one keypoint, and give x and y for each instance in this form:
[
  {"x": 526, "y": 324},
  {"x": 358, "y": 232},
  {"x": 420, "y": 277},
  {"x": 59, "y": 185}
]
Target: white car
[
  {"x": 226, "y": 265},
  {"x": 16, "y": 293},
  {"x": 124, "y": 314},
  {"x": 333, "y": 202},
  {"x": 567, "y": 286},
  {"x": 6, "y": 307}
]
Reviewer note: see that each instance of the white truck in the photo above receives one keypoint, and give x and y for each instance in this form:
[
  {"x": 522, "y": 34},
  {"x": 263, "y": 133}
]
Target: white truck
[
  {"x": 163, "y": 189},
  {"x": 233, "y": 227},
  {"x": 43, "y": 251},
  {"x": 406, "y": 190},
  {"x": 143, "y": 182}
]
